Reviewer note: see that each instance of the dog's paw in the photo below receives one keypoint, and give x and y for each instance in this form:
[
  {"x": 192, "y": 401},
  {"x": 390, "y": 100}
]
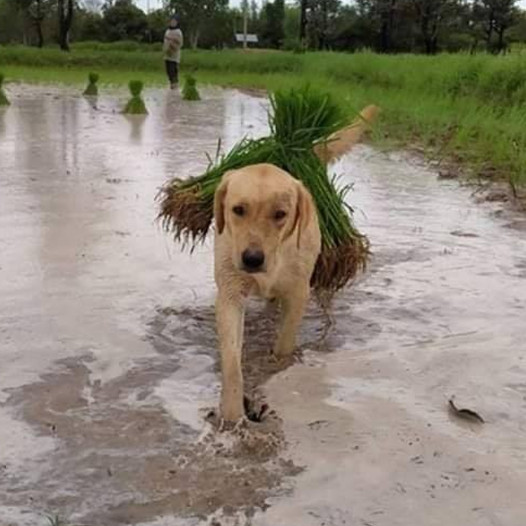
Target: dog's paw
[
  {"x": 221, "y": 424},
  {"x": 284, "y": 359}
]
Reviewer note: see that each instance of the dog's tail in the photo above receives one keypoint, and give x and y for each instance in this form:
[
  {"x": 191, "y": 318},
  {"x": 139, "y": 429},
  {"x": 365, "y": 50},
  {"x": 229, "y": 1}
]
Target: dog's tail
[{"x": 342, "y": 141}]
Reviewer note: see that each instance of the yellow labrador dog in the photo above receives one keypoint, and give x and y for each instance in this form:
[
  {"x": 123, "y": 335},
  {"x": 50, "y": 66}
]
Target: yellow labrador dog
[{"x": 267, "y": 242}]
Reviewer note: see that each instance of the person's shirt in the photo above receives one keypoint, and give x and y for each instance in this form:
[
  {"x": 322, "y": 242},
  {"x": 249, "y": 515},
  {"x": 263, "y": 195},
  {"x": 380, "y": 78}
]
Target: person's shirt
[{"x": 173, "y": 42}]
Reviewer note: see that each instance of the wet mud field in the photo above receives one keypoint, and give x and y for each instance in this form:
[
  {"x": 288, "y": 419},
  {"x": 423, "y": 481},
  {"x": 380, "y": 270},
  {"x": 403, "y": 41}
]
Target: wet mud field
[{"x": 108, "y": 363}]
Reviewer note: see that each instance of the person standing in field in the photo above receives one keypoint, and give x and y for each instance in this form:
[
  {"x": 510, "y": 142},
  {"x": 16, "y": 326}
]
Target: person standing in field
[{"x": 173, "y": 42}]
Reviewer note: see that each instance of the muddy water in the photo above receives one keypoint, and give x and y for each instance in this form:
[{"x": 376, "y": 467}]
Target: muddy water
[{"x": 108, "y": 347}]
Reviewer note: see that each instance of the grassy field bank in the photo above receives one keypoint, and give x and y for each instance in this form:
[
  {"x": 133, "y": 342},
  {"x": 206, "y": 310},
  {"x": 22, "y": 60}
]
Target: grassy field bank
[{"x": 469, "y": 107}]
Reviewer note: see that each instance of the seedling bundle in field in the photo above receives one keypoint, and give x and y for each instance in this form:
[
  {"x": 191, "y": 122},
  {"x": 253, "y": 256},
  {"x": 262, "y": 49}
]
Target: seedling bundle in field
[
  {"x": 3, "y": 98},
  {"x": 190, "y": 89},
  {"x": 135, "y": 105},
  {"x": 92, "y": 89}
]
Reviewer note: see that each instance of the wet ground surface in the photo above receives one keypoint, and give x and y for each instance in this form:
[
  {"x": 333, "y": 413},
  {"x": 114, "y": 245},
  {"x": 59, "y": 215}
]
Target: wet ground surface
[{"x": 107, "y": 342}]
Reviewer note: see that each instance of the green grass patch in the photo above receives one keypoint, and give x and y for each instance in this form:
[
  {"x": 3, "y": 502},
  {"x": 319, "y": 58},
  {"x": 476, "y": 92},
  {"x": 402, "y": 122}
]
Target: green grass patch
[{"x": 469, "y": 106}]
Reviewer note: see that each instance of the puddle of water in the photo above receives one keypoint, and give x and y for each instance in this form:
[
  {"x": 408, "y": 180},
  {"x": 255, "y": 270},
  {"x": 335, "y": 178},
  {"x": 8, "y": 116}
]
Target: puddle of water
[
  {"x": 102, "y": 349},
  {"x": 108, "y": 340},
  {"x": 450, "y": 318}
]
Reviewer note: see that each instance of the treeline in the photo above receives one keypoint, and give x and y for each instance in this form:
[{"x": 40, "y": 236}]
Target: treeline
[{"x": 386, "y": 26}]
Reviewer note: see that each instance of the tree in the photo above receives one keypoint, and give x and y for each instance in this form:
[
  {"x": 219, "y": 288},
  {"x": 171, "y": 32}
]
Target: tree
[
  {"x": 518, "y": 31},
  {"x": 290, "y": 28},
  {"x": 254, "y": 11},
  {"x": 303, "y": 20},
  {"x": 11, "y": 22},
  {"x": 124, "y": 21},
  {"x": 195, "y": 14},
  {"x": 431, "y": 16},
  {"x": 218, "y": 29},
  {"x": 35, "y": 11},
  {"x": 156, "y": 24},
  {"x": 65, "y": 19},
  {"x": 273, "y": 31},
  {"x": 89, "y": 25},
  {"x": 495, "y": 17},
  {"x": 386, "y": 11},
  {"x": 320, "y": 18}
]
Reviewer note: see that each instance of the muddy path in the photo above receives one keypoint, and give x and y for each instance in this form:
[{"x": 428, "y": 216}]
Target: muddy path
[{"x": 108, "y": 355}]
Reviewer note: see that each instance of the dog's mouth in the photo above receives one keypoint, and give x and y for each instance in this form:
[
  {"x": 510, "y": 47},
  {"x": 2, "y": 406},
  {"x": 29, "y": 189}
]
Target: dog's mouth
[{"x": 249, "y": 270}]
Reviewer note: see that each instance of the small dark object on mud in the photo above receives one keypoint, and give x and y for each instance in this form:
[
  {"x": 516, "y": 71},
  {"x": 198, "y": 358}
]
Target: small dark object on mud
[
  {"x": 460, "y": 233},
  {"x": 190, "y": 89},
  {"x": 92, "y": 89},
  {"x": 497, "y": 196},
  {"x": 465, "y": 414},
  {"x": 448, "y": 174},
  {"x": 318, "y": 424},
  {"x": 135, "y": 105},
  {"x": 3, "y": 98}
]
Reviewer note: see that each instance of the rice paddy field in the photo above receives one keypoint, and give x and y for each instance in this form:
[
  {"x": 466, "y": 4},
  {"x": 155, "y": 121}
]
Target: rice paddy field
[
  {"x": 110, "y": 372},
  {"x": 468, "y": 107}
]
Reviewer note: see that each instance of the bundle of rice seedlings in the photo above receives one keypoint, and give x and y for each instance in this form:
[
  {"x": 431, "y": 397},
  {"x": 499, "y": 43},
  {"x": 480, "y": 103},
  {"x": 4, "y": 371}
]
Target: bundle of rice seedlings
[
  {"x": 92, "y": 90},
  {"x": 190, "y": 89},
  {"x": 135, "y": 105},
  {"x": 302, "y": 121},
  {"x": 3, "y": 98}
]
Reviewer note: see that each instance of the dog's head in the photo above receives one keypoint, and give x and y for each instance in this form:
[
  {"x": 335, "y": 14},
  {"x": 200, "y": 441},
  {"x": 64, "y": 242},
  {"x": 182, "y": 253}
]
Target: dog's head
[{"x": 260, "y": 208}]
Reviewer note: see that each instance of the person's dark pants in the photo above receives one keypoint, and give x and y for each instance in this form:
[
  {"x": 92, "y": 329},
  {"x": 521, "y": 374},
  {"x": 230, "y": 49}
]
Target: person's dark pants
[{"x": 172, "y": 70}]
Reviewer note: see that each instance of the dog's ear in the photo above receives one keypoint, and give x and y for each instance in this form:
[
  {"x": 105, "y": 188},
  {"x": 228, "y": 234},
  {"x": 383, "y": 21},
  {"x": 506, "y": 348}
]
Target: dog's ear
[
  {"x": 219, "y": 203},
  {"x": 304, "y": 212}
]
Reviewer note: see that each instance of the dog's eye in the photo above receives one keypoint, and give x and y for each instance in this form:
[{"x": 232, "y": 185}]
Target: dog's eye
[
  {"x": 279, "y": 214},
  {"x": 238, "y": 210}
]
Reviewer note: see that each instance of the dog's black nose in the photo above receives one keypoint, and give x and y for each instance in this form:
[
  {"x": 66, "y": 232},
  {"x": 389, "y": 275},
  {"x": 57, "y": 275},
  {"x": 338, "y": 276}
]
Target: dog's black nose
[{"x": 253, "y": 259}]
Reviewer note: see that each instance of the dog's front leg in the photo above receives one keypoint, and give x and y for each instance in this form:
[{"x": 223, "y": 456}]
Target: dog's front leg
[
  {"x": 293, "y": 306},
  {"x": 229, "y": 316}
]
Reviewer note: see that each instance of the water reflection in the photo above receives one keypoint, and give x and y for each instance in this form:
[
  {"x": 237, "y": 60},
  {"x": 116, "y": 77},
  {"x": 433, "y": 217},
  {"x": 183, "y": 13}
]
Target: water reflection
[{"x": 136, "y": 123}]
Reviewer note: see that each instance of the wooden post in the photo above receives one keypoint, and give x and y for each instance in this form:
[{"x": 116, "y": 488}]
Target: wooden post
[{"x": 245, "y": 27}]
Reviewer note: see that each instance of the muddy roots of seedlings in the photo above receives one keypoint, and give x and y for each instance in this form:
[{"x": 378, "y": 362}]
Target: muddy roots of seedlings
[
  {"x": 92, "y": 89},
  {"x": 135, "y": 105},
  {"x": 185, "y": 213},
  {"x": 190, "y": 89},
  {"x": 336, "y": 266},
  {"x": 3, "y": 98}
]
